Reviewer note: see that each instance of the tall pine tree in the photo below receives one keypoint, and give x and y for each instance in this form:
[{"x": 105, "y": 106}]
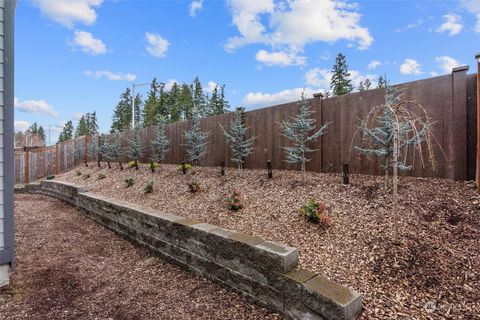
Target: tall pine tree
[
  {"x": 122, "y": 115},
  {"x": 151, "y": 111},
  {"x": 340, "y": 82},
  {"x": 67, "y": 132}
]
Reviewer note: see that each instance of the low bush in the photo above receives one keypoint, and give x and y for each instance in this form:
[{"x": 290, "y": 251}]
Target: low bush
[
  {"x": 193, "y": 186},
  {"x": 129, "y": 182},
  {"x": 86, "y": 176},
  {"x": 149, "y": 187},
  {"x": 101, "y": 176},
  {"x": 234, "y": 201},
  {"x": 132, "y": 164},
  {"x": 78, "y": 173},
  {"x": 188, "y": 166},
  {"x": 315, "y": 212},
  {"x": 50, "y": 177}
]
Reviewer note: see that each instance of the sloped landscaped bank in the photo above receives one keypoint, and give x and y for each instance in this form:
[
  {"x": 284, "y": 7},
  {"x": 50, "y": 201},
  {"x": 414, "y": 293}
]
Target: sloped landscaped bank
[
  {"x": 262, "y": 270},
  {"x": 437, "y": 260}
]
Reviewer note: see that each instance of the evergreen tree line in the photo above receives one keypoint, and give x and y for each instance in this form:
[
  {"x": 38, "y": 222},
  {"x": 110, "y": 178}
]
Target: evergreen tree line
[{"x": 177, "y": 104}]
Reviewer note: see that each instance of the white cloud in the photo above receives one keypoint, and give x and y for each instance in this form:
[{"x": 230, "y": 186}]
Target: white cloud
[
  {"x": 453, "y": 24},
  {"x": 280, "y": 58},
  {"x": 474, "y": 7},
  {"x": 410, "y": 66},
  {"x": 110, "y": 75},
  {"x": 35, "y": 106},
  {"x": 157, "y": 46},
  {"x": 194, "y": 7},
  {"x": 289, "y": 26},
  {"x": 357, "y": 77},
  {"x": 447, "y": 63},
  {"x": 412, "y": 25},
  {"x": 374, "y": 64},
  {"x": 69, "y": 12},
  {"x": 254, "y": 100},
  {"x": 169, "y": 83},
  {"x": 21, "y": 125},
  {"x": 88, "y": 43},
  {"x": 210, "y": 86},
  {"x": 77, "y": 115},
  {"x": 319, "y": 78}
]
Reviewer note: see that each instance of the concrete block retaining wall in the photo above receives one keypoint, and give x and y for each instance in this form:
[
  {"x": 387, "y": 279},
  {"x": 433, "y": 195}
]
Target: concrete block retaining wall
[{"x": 264, "y": 271}]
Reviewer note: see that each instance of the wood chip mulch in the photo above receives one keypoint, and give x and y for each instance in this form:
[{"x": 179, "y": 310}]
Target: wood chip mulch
[
  {"x": 433, "y": 274},
  {"x": 69, "y": 267}
]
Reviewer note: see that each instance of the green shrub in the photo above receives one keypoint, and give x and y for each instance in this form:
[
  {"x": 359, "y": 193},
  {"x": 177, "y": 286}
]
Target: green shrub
[
  {"x": 188, "y": 166},
  {"x": 132, "y": 164},
  {"x": 86, "y": 176},
  {"x": 101, "y": 176},
  {"x": 78, "y": 173},
  {"x": 129, "y": 182},
  {"x": 50, "y": 177},
  {"x": 149, "y": 187},
  {"x": 315, "y": 212},
  {"x": 193, "y": 186},
  {"x": 234, "y": 202}
]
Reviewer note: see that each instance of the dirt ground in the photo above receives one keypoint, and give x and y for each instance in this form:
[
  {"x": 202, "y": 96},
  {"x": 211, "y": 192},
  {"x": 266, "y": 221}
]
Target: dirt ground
[
  {"x": 433, "y": 274},
  {"x": 69, "y": 267}
]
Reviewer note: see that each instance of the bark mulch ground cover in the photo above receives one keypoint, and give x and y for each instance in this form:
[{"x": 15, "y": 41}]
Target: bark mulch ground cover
[
  {"x": 69, "y": 267},
  {"x": 432, "y": 274}
]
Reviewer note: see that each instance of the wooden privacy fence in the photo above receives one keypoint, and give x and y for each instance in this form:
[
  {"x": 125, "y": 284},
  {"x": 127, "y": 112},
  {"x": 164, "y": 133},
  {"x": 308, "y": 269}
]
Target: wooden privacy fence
[
  {"x": 449, "y": 100},
  {"x": 39, "y": 163}
]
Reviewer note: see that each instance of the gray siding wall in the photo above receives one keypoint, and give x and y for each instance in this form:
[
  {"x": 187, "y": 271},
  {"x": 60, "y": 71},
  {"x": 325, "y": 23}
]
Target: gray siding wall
[
  {"x": 2, "y": 47},
  {"x": 7, "y": 12}
]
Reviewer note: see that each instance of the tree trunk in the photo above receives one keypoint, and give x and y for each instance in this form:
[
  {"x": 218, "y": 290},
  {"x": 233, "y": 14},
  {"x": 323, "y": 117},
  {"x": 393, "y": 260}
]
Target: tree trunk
[
  {"x": 136, "y": 165},
  {"x": 109, "y": 166},
  {"x": 121, "y": 166},
  {"x": 386, "y": 173}
]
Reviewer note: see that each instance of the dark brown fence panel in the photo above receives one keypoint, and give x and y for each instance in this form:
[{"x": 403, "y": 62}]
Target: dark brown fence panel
[
  {"x": 471, "y": 126},
  {"x": 450, "y": 101}
]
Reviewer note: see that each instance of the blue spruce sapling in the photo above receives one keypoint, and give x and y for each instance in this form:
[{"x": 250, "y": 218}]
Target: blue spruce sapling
[
  {"x": 239, "y": 143},
  {"x": 299, "y": 131}
]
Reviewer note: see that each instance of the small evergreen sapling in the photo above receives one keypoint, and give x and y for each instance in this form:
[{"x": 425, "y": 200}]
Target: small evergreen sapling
[
  {"x": 239, "y": 143},
  {"x": 93, "y": 149},
  {"x": 79, "y": 151},
  {"x": 135, "y": 147},
  {"x": 159, "y": 145},
  {"x": 298, "y": 131},
  {"x": 195, "y": 141},
  {"x": 116, "y": 149},
  {"x": 104, "y": 149}
]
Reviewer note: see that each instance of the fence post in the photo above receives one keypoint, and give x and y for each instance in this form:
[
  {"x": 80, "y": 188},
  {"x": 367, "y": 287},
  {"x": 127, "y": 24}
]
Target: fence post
[
  {"x": 458, "y": 146},
  {"x": 317, "y": 106},
  {"x": 27, "y": 167},
  {"x": 57, "y": 158},
  {"x": 477, "y": 173}
]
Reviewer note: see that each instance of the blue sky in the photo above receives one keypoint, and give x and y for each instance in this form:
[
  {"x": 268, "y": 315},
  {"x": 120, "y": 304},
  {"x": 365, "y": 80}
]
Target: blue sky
[{"x": 77, "y": 56}]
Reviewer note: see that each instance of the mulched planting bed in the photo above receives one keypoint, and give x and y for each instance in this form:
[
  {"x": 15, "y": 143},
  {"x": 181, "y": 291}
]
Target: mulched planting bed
[
  {"x": 433, "y": 273},
  {"x": 69, "y": 267}
]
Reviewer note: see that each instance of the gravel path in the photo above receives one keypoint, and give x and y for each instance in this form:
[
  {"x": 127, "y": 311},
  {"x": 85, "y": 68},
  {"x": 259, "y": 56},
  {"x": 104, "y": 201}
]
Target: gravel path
[
  {"x": 69, "y": 267},
  {"x": 437, "y": 261}
]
